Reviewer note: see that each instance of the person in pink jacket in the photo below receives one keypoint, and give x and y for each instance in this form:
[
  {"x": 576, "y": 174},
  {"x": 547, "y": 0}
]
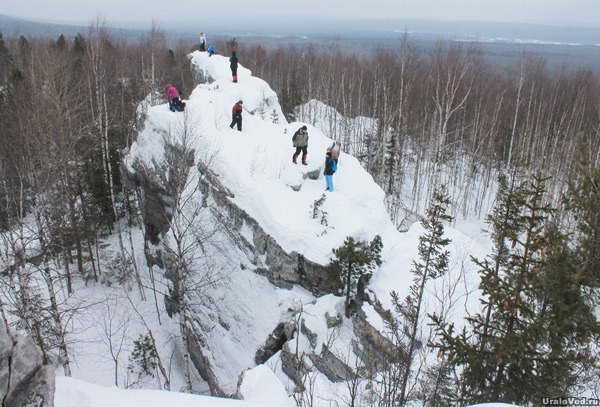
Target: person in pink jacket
[{"x": 173, "y": 98}]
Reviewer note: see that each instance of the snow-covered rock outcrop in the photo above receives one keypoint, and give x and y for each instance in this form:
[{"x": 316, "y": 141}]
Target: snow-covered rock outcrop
[{"x": 265, "y": 297}]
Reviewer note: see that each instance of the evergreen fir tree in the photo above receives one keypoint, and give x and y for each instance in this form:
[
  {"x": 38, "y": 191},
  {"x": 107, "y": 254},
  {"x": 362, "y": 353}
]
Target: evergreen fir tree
[
  {"x": 534, "y": 329},
  {"x": 143, "y": 357},
  {"x": 317, "y": 210},
  {"x": 79, "y": 45},
  {"x": 437, "y": 387},
  {"x": 61, "y": 42},
  {"x": 355, "y": 260},
  {"x": 583, "y": 200},
  {"x": 274, "y": 117}
]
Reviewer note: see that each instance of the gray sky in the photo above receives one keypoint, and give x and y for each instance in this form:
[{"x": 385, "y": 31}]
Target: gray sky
[{"x": 561, "y": 12}]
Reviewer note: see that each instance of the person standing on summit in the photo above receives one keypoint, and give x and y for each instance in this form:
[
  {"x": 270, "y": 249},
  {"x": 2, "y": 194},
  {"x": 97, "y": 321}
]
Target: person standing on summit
[
  {"x": 236, "y": 115},
  {"x": 300, "y": 141},
  {"x": 202, "y": 42},
  {"x": 233, "y": 64}
]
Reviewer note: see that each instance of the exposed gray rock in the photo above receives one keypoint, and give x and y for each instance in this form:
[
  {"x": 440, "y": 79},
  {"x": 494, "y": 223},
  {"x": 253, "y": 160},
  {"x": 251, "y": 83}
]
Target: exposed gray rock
[
  {"x": 24, "y": 381},
  {"x": 37, "y": 392},
  {"x": 273, "y": 344},
  {"x": 312, "y": 337},
  {"x": 314, "y": 174},
  {"x": 374, "y": 349},
  {"x": 200, "y": 75},
  {"x": 295, "y": 187},
  {"x": 333, "y": 320},
  {"x": 331, "y": 366},
  {"x": 159, "y": 185},
  {"x": 203, "y": 366},
  {"x": 293, "y": 366},
  {"x": 5, "y": 353},
  {"x": 281, "y": 268}
]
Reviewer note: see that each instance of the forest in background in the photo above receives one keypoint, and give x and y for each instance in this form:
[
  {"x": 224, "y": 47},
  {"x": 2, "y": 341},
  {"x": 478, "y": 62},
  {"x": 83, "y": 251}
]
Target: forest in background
[{"x": 442, "y": 116}]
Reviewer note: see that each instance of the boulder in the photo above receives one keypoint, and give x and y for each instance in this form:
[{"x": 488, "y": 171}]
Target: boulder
[{"x": 24, "y": 380}]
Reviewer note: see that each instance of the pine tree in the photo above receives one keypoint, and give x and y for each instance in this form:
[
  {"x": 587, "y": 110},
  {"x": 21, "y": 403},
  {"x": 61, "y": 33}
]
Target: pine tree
[
  {"x": 317, "y": 210},
  {"x": 583, "y": 200},
  {"x": 79, "y": 45},
  {"x": 355, "y": 260},
  {"x": 534, "y": 329},
  {"x": 143, "y": 357},
  {"x": 433, "y": 264}
]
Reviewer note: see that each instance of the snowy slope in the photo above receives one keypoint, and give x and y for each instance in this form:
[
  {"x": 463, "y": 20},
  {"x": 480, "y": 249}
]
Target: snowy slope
[{"x": 262, "y": 391}]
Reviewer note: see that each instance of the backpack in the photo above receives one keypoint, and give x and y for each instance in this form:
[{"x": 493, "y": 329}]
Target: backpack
[
  {"x": 295, "y": 135},
  {"x": 334, "y": 165}
]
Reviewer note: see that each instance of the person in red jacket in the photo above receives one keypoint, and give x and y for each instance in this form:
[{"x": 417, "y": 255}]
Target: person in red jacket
[{"x": 236, "y": 114}]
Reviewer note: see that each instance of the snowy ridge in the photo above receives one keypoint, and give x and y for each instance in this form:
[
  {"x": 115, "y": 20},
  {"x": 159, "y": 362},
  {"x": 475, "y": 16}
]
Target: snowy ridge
[{"x": 256, "y": 166}]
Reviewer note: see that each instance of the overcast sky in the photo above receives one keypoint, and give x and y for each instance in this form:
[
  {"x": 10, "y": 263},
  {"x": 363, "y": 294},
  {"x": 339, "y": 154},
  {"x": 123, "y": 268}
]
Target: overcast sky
[{"x": 561, "y": 12}]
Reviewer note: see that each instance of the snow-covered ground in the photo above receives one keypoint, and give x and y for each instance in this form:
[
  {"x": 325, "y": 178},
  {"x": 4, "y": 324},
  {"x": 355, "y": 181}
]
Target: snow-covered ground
[
  {"x": 256, "y": 165},
  {"x": 263, "y": 390}
]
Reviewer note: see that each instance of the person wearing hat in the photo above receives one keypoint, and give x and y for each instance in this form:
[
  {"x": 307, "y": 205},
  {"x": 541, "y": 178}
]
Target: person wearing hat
[
  {"x": 236, "y": 114},
  {"x": 202, "y": 42},
  {"x": 300, "y": 141},
  {"x": 233, "y": 64},
  {"x": 335, "y": 150}
]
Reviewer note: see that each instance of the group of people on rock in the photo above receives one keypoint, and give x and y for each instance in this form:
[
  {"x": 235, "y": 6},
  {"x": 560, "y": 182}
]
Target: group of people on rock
[
  {"x": 299, "y": 139},
  {"x": 212, "y": 50},
  {"x": 300, "y": 142}
]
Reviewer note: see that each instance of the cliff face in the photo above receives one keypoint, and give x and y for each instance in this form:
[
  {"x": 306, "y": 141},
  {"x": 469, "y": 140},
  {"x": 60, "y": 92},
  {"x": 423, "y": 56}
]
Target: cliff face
[{"x": 159, "y": 192}]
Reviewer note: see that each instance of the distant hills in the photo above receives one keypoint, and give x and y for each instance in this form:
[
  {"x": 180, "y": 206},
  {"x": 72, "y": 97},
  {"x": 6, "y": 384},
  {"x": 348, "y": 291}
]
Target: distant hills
[{"x": 563, "y": 46}]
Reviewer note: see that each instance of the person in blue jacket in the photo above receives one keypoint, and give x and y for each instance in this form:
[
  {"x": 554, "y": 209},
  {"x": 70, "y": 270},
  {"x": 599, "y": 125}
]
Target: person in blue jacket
[
  {"x": 212, "y": 50},
  {"x": 330, "y": 167}
]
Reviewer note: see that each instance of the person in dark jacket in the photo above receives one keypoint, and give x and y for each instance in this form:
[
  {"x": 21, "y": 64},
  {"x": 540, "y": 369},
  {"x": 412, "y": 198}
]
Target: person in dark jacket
[
  {"x": 233, "y": 64},
  {"x": 300, "y": 141},
  {"x": 329, "y": 171},
  {"x": 236, "y": 115}
]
